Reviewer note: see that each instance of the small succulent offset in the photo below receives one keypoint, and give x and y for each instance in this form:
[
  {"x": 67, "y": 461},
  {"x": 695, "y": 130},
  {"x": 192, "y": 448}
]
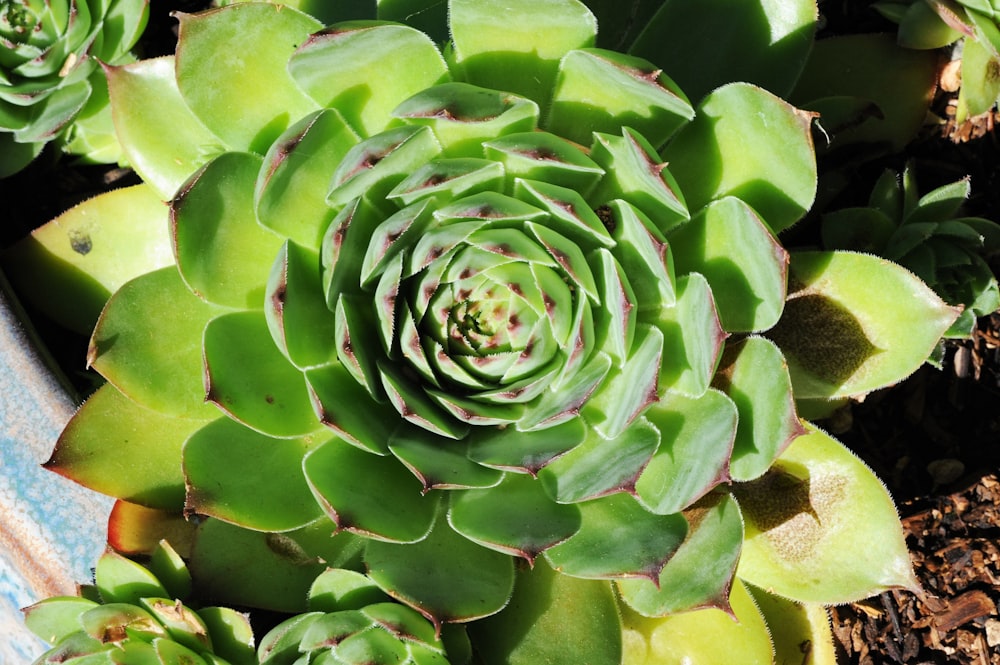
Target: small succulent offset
[
  {"x": 132, "y": 615},
  {"x": 350, "y": 622},
  {"x": 509, "y": 317},
  {"x": 974, "y": 24},
  {"x": 51, "y": 85},
  {"x": 929, "y": 235}
]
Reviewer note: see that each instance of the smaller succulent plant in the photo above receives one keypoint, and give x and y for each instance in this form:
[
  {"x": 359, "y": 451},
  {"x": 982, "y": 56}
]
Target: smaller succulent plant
[
  {"x": 51, "y": 86},
  {"x": 931, "y": 24},
  {"x": 353, "y": 622},
  {"x": 928, "y": 235},
  {"x": 133, "y": 615}
]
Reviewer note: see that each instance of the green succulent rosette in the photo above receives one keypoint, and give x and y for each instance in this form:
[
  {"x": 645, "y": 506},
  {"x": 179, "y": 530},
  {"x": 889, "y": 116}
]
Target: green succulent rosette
[
  {"x": 508, "y": 316},
  {"x": 135, "y": 614},
  {"x": 352, "y": 622},
  {"x": 51, "y": 86},
  {"x": 930, "y": 235}
]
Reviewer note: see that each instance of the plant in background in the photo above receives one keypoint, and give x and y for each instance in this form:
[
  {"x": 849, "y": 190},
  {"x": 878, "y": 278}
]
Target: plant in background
[
  {"x": 929, "y": 235},
  {"x": 135, "y": 614},
  {"x": 51, "y": 86},
  {"x": 508, "y": 317},
  {"x": 973, "y": 25}
]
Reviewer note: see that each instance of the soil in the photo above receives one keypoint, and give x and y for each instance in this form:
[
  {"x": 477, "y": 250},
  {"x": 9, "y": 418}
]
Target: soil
[{"x": 934, "y": 439}]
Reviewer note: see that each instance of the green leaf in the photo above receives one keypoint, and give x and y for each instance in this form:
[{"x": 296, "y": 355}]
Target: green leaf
[
  {"x": 464, "y": 116},
  {"x": 439, "y": 463},
  {"x": 165, "y": 377},
  {"x": 707, "y": 636},
  {"x": 54, "y": 618},
  {"x": 941, "y": 204},
  {"x": 122, "y": 580},
  {"x": 71, "y": 266},
  {"x": 232, "y": 637},
  {"x": 922, "y": 28},
  {"x": 338, "y": 589},
  {"x": 601, "y": 466},
  {"x": 600, "y": 91},
  {"x": 618, "y": 538},
  {"x": 755, "y": 376},
  {"x": 700, "y": 573},
  {"x": 168, "y": 567},
  {"x": 898, "y": 91},
  {"x": 512, "y": 449},
  {"x": 816, "y": 503},
  {"x": 249, "y": 378},
  {"x": 634, "y": 172},
  {"x": 516, "y": 45},
  {"x": 445, "y": 577},
  {"x": 854, "y": 323},
  {"x": 290, "y": 192},
  {"x": 696, "y": 440},
  {"x": 246, "y": 478},
  {"x": 516, "y": 517},
  {"x": 241, "y": 52},
  {"x": 365, "y": 70},
  {"x": 115, "y": 618},
  {"x": 749, "y": 285},
  {"x": 341, "y": 478},
  {"x": 235, "y": 566},
  {"x": 765, "y": 42},
  {"x": 625, "y": 395},
  {"x": 980, "y": 80},
  {"x": 553, "y": 619},
  {"x": 693, "y": 355},
  {"x": 295, "y": 308},
  {"x": 858, "y": 229},
  {"x": 223, "y": 253},
  {"x": 728, "y": 150},
  {"x": 338, "y": 400},
  {"x": 144, "y": 100}
]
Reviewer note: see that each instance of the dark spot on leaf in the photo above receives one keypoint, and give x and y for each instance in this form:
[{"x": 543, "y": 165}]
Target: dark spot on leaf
[{"x": 80, "y": 242}]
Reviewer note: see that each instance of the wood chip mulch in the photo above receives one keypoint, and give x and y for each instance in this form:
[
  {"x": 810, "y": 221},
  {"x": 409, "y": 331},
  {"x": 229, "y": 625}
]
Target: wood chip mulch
[{"x": 955, "y": 547}]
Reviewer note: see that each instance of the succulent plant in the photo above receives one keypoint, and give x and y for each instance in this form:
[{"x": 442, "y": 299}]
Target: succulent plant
[
  {"x": 929, "y": 235},
  {"x": 351, "y": 622},
  {"x": 51, "y": 85},
  {"x": 132, "y": 615},
  {"x": 974, "y": 24},
  {"x": 509, "y": 316}
]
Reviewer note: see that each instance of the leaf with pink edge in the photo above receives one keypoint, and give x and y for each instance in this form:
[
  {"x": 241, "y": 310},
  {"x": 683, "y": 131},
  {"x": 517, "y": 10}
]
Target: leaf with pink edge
[
  {"x": 146, "y": 465},
  {"x": 340, "y": 474},
  {"x": 356, "y": 67},
  {"x": 693, "y": 355},
  {"x": 241, "y": 52},
  {"x": 754, "y": 375},
  {"x": 260, "y": 486},
  {"x": 219, "y": 244},
  {"x": 601, "y": 466},
  {"x": 696, "y": 441},
  {"x": 163, "y": 372},
  {"x": 707, "y": 636},
  {"x": 727, "y": 150},
  {"x": 445, "y": 576},
  {"x": 553, "y": 619},
  {"x": 273, "y": 398},
  {"x": 700, "y": 573},
  {"x": 618, "y": 538},
  {"x": 516, "y": 517}
]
